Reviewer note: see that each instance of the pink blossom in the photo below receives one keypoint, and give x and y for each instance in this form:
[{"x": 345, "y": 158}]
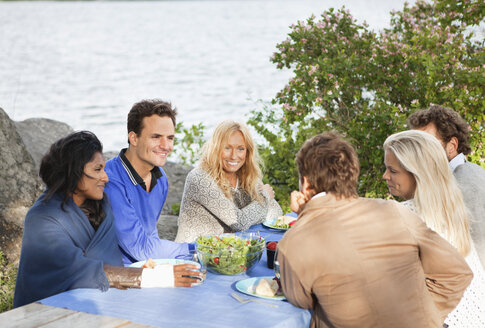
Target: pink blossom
[{"x": 312, "y": 70}]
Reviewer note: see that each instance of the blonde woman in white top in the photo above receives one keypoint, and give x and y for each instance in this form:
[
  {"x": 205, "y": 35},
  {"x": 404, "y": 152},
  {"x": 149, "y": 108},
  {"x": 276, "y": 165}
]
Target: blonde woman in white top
[
  {"x": 225, "y": 192},
  {"x": 417, "y": 170}
]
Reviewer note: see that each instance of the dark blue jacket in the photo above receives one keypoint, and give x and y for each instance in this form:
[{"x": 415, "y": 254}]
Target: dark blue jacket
[{"x": 62, "y": 251}]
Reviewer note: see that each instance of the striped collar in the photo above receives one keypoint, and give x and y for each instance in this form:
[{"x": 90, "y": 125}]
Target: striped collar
[{"x": 135, "y": 177}]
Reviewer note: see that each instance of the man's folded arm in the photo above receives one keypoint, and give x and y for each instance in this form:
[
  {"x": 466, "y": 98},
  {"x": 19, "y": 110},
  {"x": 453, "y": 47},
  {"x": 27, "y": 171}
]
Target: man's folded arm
[{"x": 446, "y": 271}]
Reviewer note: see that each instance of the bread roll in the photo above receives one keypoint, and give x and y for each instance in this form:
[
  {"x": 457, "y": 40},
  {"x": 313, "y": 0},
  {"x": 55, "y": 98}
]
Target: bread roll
[
  {"x": 286, "y": 219},
  {"x": 266, "y": 287}
]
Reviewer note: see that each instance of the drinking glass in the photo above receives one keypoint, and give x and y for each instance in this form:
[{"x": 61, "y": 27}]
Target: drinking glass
[
  {"x": 276, "y": 264},
  {"x": 192, "y": 256}
]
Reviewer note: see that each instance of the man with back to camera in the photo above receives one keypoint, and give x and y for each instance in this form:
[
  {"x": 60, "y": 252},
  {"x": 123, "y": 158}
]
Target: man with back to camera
[
  {"x": 360, "y": 262},
  {"x": 138, "y": 186},
  {"x": 452, "y": 131}
]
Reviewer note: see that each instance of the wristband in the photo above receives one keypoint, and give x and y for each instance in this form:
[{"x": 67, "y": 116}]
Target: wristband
[{"x": 161, "y": 276}]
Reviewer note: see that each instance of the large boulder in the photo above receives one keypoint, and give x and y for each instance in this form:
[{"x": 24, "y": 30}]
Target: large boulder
[
  {"x": 19, "y": 187},
  {"x": 167, "y": 226},
  {"x": 176, "y": 175},
  {"x": 38, "y": 134}
]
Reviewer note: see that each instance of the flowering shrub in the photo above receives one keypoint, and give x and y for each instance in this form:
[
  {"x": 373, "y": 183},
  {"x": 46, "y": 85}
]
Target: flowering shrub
[
  {"x": 189, "y": 142},
  {"x": 365, "y": 84}
]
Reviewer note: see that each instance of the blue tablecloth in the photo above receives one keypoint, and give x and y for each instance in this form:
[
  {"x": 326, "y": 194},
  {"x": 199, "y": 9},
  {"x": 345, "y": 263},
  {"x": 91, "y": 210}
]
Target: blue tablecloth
[{"x": 207, "y": 305}]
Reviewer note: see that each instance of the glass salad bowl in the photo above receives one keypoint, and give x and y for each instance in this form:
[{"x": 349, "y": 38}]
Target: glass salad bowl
[{"x": 230, "y": 254}]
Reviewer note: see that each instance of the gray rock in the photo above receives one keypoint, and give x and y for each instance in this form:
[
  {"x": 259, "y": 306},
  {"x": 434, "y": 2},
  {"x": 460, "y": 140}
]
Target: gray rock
[
  {"x": 19, "y": 187},
  {"x": 110, "y": 154},
  {"x": 38, "y": 134},
  {"x": 167, "y": 226},
  {"x": 176, "y": 174}
]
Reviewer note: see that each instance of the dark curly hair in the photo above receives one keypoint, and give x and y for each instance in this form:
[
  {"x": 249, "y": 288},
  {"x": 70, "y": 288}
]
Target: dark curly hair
[
  {"x": 62, "y": 168},
  {"x": 330, "y": 164},
  {"x": 448, "y": 123},
  {"x": 146, "y": 108}
]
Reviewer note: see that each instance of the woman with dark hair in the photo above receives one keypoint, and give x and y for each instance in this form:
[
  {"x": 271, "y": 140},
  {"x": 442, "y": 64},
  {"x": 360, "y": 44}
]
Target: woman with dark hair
[{"x": 69, "y": 238}]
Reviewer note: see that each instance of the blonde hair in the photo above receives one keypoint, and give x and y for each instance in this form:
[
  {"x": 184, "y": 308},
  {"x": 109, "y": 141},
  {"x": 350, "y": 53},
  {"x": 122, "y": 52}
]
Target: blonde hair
[
  {"x": 437, "y": 198},
  {"x": 249, "y": 174}
]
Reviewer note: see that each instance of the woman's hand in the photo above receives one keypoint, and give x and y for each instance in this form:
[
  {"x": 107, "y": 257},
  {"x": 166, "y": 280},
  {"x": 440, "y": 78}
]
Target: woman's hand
[
  {"x": 269, "y": 190},
  {"x": 184, "y": 275},
  {"x": 297, "y": 201}
]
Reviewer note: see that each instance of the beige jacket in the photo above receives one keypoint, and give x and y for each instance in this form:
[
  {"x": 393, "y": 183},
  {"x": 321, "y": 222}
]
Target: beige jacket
[{"x": 369, "y": 263}]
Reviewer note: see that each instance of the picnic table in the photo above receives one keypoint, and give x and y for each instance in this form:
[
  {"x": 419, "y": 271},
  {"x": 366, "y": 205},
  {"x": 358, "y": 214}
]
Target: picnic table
[
  {"x": 39, "y": 315},
  {"x": 207, "y": 305}
]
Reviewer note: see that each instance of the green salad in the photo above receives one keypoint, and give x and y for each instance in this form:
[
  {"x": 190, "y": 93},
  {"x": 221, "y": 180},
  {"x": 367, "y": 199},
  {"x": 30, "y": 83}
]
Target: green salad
[
  {"x": 229, "y": 254},
  {"x": 280, "y": 223}
]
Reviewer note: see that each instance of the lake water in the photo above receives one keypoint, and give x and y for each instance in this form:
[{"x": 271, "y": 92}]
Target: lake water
[{"x": 86, "y": 63}]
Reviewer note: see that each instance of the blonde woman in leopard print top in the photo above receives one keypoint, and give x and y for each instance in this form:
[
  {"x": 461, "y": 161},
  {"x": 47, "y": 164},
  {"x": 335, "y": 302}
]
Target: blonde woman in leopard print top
[{"x": 225, "y": 192}]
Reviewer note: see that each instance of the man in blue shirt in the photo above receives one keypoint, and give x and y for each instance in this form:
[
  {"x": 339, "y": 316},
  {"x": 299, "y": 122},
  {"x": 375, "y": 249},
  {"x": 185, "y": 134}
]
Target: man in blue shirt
[{"x": 138, "y": 186}]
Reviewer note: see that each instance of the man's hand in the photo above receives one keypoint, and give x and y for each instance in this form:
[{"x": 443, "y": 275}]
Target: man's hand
[
  {"x": 297, "y": 201},
  {"x": 269, "y": 190},
  {"x": 184, "y": 275}
]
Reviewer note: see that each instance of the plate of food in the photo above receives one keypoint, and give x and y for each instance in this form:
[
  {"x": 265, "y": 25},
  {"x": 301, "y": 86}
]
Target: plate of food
[
  {"x": 280, "y": 223},
  {"x": 152, "y": 263},
  {"x": 263, "y": 287}
]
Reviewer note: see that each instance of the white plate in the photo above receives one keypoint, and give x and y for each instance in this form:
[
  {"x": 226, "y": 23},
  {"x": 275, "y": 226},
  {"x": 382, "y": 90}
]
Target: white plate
[
  {"x": 247, "y": 285},
  {"x": 269, "y": 224},
  {"x": 163, "y": 261}
]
